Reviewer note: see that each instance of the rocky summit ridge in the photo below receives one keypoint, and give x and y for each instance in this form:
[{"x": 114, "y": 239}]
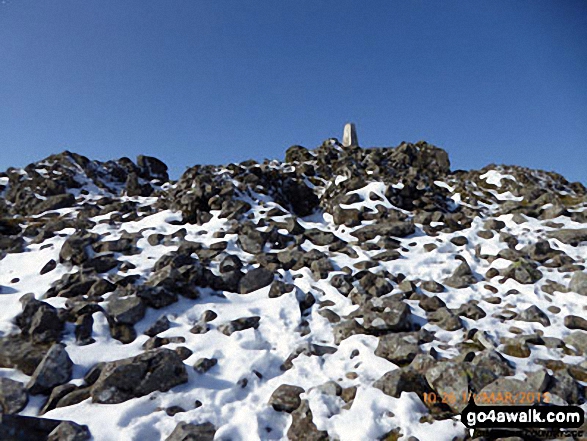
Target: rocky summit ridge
[{"x": 326, "y": 296}]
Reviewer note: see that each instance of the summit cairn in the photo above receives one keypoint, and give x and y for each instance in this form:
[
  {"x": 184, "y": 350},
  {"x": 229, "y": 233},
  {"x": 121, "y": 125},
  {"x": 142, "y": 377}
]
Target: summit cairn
[{"x": 349, "y": 137}]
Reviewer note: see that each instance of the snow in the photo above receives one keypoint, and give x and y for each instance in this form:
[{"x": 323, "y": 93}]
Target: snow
[
  {"x": 494, "y": 177},
  {"x": 243, "y": 413}
]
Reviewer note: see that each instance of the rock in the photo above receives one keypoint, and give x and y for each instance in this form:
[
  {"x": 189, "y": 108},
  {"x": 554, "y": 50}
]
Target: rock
[
  {"x": 255, "y": 279},
  {"x": 431, "y": 304},
  {"x": 302, "y": 426},
  {"x": 17, "y": 352},
  {"x": 445, "y": 319},
  {"x": 239, "y": 325},
  {"x": 494, "y": 362},
  {"x": 192, "y": 432},
  {"x": 386, "y": 315},
  {"x": 69, "y": 431},
  {"x": 13, "y": 396},
  {"x": 462, "y": 277},
  {"x": 301, "y": 198},
  {"x": 286, "y": 398},
  {"x": 578, "y": 283},
  {"x": 383, "y": 229},
  {"x": 400, "y": 380},
  {"x": 18, "y": 427},
  {"x": 53, "y": 203},
  {"x": 39, "y": 320},
  {"x": 471, "y": 311},
  {"x": 57, "y": 394},
  {"x": 55, "y": 369},
  {"x": 230, "y": 263},
  {"x": 155, "y": 296},
  {"x": 523, "y": 271},
  {"x": 203, "y": 365},
  {"x": 578, "y": 340},
  {"x": 345, "y": 329},
  {"x": 128, "y": 310},
  {"x": 432, "y": 286},
  {"x": 121, "y": 380},
  {"x": 570, "y": 236},
  {"x": 83, "y": 329},
  {"x": 399, "y": 348},
  {"x": 575, "y": 322},
  {"x": 48, "y": 267},
  {"x": 564, "y": 386},
  {"x": 459, "y": 241},
  {"x": 152, "y": 168},
  {"x": 162, "y": 324},
  {"x": 534, "y": 314},
  {"x": 494, "y": 224},
  {"x": 450, "y": 379}
]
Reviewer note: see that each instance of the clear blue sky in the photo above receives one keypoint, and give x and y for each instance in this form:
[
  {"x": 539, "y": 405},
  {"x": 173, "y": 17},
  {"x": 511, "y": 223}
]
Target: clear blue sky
[{"x": 223, "y": 81}]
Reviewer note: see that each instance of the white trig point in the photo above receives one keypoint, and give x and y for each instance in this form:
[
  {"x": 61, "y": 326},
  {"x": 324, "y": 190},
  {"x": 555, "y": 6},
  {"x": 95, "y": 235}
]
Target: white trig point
[{"x": 349, "y": 136}]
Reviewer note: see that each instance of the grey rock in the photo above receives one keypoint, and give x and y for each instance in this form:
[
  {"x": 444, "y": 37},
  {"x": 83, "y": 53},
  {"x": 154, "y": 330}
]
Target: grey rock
[
  {"x": 432, "y": 286},
  {"x": 386, "y": 315},
  {"x": 19, "y": 428},
  {"x": 405, "y": 379},
  {"x": 399, "y": 348},
  {"x": 471, "y": 311},
  {"x": 162, "y": 324},
  {"x": 192, "y": 432},
  {"x": 578, "y": 340},
  {"x": 523, "y": 271},
  {"x": 445, "y": 319},
  {"x": 345, "y": 329},
  {"x": 450, "y": 379},
  {"x": 203, "y": 365},
  {"x": 239, "y": 325},
  {"x": 493, "y": 361},
  {"x": 255, "y": 279},
  {"x": 570, "y": 236},
  {"x": 461, "y": 278},
  {"x": 128, "y": 310},
  {"x": 578, "y": 283},
  {"x": 55, "y": 369},
  {"x": 383, "y": 229},
  {"x": 534, "y": 314},
  {"x": 302, "y": 427},
  {"x": 121, "y": 380},
  {"x": 69, "y": 431},
  {"x": 13, "y": 396},
  {"x": 39, "y": 320},
  {"x": 286, "y": 398},
  {"x": 18, "y": 352}
]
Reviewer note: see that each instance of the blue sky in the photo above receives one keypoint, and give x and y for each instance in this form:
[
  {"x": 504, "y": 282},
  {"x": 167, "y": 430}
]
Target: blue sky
[{"x": 222, "y": 81}]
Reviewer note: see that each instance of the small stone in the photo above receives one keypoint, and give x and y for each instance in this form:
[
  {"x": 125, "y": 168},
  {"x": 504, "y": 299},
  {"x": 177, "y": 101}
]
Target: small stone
[
  {"x": 203, "y": 365},
  {"x": 286, "y": 398}
]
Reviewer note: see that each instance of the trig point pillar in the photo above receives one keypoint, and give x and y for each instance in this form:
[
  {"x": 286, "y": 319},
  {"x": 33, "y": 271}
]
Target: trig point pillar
[{"x": 349, "y": 137}]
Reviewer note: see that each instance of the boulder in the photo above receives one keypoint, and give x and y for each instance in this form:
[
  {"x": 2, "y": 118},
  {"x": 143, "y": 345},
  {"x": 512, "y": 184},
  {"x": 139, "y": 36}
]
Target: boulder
[
  {"x": 55, "y": 369},
  {"x": 192, "y": 432},
  {"x": 384, "y": 229},
  {"x": 18, "y": 427},
  {"x": 578, "y": 283},
  {"x": 302, "y": 427},
  {"x": 255, "y": 279},
  {"x": 121, "y": 380},
  {"x": 13, "y": 396},
  {"x": 286, "y": 398}
]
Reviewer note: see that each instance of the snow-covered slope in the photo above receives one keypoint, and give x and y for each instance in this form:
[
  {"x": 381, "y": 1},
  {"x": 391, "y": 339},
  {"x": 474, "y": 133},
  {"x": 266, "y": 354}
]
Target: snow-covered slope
[{"x": 330, "y": 296}]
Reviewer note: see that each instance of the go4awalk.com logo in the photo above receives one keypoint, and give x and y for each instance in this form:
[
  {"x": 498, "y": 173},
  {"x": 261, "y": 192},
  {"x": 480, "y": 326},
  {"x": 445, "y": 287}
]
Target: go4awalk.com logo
[{"x": 548, "y": 420}]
